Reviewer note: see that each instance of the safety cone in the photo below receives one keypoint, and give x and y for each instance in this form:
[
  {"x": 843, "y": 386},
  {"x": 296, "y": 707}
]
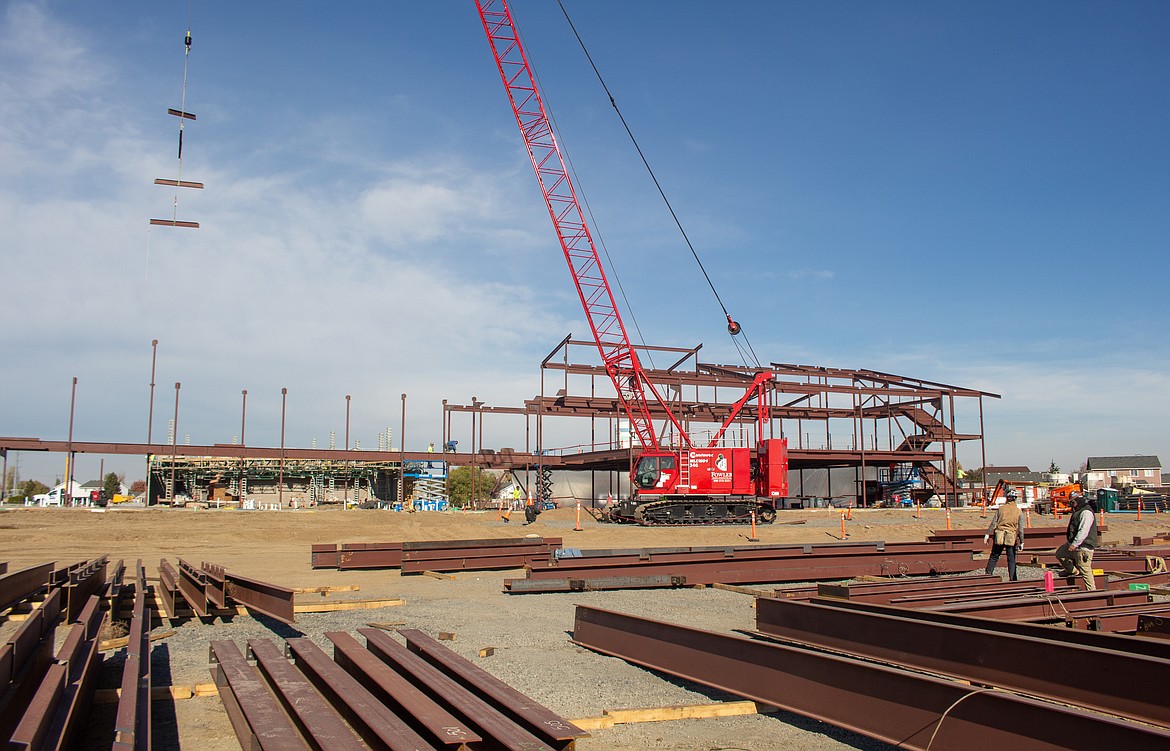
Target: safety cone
[
  {"x": 578, "y": 527},
  {"x": 753, "y": 538},
  {"x": 948, "y": 516}
]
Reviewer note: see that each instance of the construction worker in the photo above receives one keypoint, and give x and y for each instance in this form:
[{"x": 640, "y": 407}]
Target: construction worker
[
  {"x": 1076, "y": 555},
  {"x": 1005, "y": 527},
  {"x": 431, "y": 447}
]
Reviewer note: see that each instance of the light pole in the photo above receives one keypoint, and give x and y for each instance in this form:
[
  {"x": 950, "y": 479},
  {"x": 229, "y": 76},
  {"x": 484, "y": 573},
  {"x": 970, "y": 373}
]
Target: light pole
[
  {"x": 67, "y": 491},
  {"x": 345, "y": 482},
  {"x": 280, "y": 482},
  {"x": 150, "y": 418},
  {"x": 174, "y": 444},
  {"x": 402, "y": 455},
  {"x": 243, "y": 461},
  {"x": 474, "y": 468}
]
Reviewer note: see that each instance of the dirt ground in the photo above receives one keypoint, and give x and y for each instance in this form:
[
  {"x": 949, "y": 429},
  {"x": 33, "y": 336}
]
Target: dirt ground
[{"x": 275, "y": 547}]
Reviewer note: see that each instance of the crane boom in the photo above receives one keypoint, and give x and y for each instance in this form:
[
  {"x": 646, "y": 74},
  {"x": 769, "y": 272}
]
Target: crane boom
[{"x": 613, "y": 342}]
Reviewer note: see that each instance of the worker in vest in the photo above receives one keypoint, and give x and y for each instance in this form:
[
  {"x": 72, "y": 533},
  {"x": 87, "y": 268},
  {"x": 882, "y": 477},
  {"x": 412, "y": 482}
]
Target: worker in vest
[
  {"x": 1005, "y": 528},
  {"x": 1076, "y": 555}
]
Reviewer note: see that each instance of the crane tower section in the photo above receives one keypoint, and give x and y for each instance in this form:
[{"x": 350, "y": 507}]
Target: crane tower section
[{"x": 613, "y": 343}]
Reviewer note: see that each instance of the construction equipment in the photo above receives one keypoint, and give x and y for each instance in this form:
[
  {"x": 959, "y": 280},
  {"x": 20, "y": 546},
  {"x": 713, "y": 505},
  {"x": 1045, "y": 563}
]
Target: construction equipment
[
  {"x": 674, "y": 481},
  {"x": 1059, "y": 500}
]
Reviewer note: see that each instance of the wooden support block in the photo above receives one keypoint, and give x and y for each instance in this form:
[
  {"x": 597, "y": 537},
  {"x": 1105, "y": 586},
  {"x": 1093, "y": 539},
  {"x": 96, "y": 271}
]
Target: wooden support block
[
  {"x": 594, "y": 723},
  {"x": 744, "y": 590},
  {"x": 109, "y": 645},
  {"x": 446, "y": 636},
  {"x": 324, "y": 591},
  {"x": 206, "y": 689},
  {"x": 437, "y": 575},
  {"x": 487, "y": 651},
  {"x": 329, "y": 607},
  {"x": 392, "y": 626},
  {"x": 111, "y": 695},
  {"x": 689, "y": 712}
]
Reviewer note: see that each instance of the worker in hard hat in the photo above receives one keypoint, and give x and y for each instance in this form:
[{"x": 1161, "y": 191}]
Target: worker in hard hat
[
  {"x": 1008, "y": 536},
  {"x": 1076, "y": 555}
]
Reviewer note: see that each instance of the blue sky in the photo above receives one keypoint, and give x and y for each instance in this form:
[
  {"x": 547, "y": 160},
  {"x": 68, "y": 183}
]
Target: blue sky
[{"x": 972, "y": 193}]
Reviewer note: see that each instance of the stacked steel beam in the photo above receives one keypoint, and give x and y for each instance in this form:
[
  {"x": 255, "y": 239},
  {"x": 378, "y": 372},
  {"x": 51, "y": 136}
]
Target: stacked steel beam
[
  {"x": 884, "y": 699},
  {"x": 434, "y": 555},
  {"x": 574, "y": 570},
  {"x": 210, "y": 589},
  {"x": 386, "y": 695},
  {"x": 45, "y": 695},
  {"x": 1115, "y": 607}
]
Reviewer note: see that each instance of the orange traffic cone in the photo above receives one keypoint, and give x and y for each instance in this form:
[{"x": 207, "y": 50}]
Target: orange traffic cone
[{"x": 578, "y": 527}]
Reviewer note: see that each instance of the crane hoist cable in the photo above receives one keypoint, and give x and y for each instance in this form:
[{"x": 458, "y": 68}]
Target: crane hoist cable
[
  {"x": 733, "y": 327},
  {"x": 183, "y": 108}
]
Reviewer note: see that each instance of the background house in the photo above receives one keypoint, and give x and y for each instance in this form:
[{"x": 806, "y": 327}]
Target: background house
[{"x": 1117, "y": 471}]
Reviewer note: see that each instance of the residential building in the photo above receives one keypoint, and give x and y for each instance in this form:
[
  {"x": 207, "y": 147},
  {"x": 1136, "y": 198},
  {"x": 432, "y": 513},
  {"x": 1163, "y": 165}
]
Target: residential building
[{"x": 1117, "y": 471}]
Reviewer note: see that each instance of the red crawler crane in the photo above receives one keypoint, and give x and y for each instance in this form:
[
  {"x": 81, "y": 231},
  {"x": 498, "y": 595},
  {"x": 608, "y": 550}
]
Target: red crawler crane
[{"x": 674, "y": 485}]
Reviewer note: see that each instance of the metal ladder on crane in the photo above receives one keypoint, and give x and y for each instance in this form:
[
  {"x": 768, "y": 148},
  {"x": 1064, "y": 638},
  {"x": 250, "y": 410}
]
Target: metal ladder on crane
[{"x": 684, "y": 470}]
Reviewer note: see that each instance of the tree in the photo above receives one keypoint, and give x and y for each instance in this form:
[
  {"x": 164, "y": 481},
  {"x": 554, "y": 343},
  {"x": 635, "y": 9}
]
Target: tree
[
  {"x": 462, "y": 481},
  {"x": 973, "y": 476},
  {"x": 1053, "y": 468},
  {"x": 29, "y": 488},
  {"x": 111, "y": 486},
  {"x": 138, "y": 486}
]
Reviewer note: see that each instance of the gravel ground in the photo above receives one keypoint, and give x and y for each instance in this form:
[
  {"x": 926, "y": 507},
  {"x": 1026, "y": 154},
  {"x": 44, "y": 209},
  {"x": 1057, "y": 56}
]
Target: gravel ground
[
  {"x": 533, "y": 654},
  {"x": 531, "y": 632}
]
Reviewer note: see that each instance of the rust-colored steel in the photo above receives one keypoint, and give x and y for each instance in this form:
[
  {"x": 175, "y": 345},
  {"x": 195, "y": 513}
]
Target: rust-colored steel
[
  {"x": 1043, "y": 606},
  {"x": 1148, "y": 647},
  {"x": 1052, "y": 669},
  {"x": 754, "y": 564},
  {"x": 427, "y": 717},
  {"x": 132, "y": 728},
  {"x": 593, "y": 584},
  {"x": 193, "y": 586},
  {"x": 477, "y": 713},
  {"x": 272, "y": 600},
  {"x": 25, "y": 659},
  {"x": 1156, "y": 626},
  {"x": 521, "y": 708},
  {"x": 315, "y": 718},
  {"x": 1116, "y": 618},
  {"x": 373, "y": 721},
  {"x": 215, "y": 586},
  {"x": 940, "y": 587},
  {"x": 434, "y": 555},
  {"x": 33, "y": 725},
  {"x": 168, "y": 580},
  {"x": 257, "y": 717},
  {"x": 1160, "y": 579},
  {"x": 896, "y": 706},
  {"x": 82, "y": 584},
  {"x": 1035, "y": 538},
  {"x": 24, "y": 583}
]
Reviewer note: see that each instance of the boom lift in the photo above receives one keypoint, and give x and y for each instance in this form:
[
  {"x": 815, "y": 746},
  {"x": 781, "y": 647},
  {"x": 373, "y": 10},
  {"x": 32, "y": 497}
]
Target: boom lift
[{"x": 673, "y": 484}]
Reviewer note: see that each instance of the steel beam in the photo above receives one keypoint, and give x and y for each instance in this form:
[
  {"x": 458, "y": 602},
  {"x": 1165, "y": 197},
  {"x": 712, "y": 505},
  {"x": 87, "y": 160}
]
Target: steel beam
[
  {"x": 23, "y": 583},
  {"x": 318, "y": 722},
  {"x": 524, "y": 710},
  {"x": 259, "y": 722},
  {"x": 1148, "y": 647},
  {"x": 373, "y": 721},
  {"x": 1051, "y": 669},
  {"x": 272, "y": 600},
  {"x": 481, "y": 716},
  {"x": 430, "y": 719},
  {"x": 903, "y": 708}
]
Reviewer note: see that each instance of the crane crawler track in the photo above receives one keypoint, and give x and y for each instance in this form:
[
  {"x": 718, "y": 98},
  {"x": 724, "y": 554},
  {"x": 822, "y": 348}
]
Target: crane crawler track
[{"x": 701, "y": 512}]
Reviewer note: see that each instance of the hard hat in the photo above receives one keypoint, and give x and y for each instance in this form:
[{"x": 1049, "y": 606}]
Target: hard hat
[{"x": 1011, "y": 494}]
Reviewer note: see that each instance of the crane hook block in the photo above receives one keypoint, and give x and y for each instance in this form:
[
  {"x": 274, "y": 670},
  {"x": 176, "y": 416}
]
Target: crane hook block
[{"x": 733, "y": 328}]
